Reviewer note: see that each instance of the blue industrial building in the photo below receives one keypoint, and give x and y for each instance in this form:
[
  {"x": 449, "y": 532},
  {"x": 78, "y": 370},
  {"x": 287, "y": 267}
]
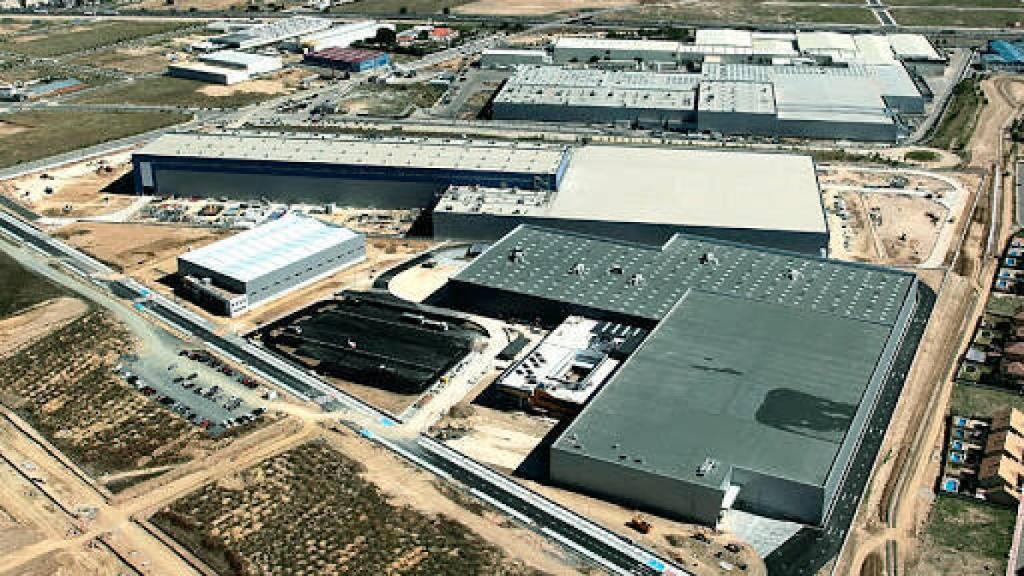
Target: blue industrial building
[{"x": 385, "y": 173}]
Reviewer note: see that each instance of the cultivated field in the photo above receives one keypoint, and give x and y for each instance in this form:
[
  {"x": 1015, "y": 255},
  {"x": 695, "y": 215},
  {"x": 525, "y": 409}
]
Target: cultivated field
[
  {"x": 86, "y": 37},
  {"x": 536, "y": 7},
  {"x": 38, "y": 134},
  {"x": 964, "y": 18},
  {"x": 63, "y": 385},
  {"x": 958, "y": 121},
  {"x": 311, "y": 511}
]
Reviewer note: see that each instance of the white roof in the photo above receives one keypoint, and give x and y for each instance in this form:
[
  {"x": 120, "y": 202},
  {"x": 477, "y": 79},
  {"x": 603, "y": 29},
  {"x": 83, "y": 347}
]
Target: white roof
[
  {"x": 724, "y": 37},
  {"x": 576, "y": 42},
  {"x": 742, "y": 190},
  {"x": 874, "y": 49},
  {"x": 809, "y": 41},
  {"x": 394, "y": 152},
  {"x": 268, "y": 247},
  {"x": 236, "y": 58},
  {"x": 913, "y": 47},
  {"x": 231, "y": 75}
]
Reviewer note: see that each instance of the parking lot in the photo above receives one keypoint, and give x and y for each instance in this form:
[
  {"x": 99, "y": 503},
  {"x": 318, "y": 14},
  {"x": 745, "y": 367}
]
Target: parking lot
[{"x": 198, "y": 386}]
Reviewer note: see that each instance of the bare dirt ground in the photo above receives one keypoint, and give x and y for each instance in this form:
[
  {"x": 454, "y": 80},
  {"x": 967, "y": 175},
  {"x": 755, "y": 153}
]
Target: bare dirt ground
[
  {"x": 36, "y": 322},
  {"x": 136, "y": 60},
  {"x": 252, "y": 86},
  {"x": 536, "y": 7},
  {"x": 901, "y": 488},
  {"x": 9, "y": 128},
  {"x": 417, "y": 283},
  {"x": 76, "y": 186},
  {"x": 144, "y": 249},
  {"x": 499, "y": 438},
  {"x": 38, "y": 523}
]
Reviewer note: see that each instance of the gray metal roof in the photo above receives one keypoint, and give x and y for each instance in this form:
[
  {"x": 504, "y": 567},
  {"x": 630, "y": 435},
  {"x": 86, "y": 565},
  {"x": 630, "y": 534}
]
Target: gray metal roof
[
  {"x": 754, "y": 385},
  {"x": 760, "y": 360},
  {"x": 268, "y": 247},
  {"x": 395, "y": 152},
  {"x": 685, "y": 262}
]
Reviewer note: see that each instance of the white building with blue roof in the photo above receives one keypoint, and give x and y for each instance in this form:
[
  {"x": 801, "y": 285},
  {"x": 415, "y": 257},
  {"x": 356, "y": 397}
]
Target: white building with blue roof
[{"x": 262, "y": 264}]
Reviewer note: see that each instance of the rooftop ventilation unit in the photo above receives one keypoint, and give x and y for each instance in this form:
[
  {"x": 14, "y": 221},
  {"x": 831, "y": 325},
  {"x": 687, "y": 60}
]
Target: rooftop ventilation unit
[
  {"x": 636, "y": 280},
  {"x": 709, "y": 258},
  {"x": 516, "y": 255},
  {"x": 578, "y": 269},
  {"x": 706, "y": 467}
]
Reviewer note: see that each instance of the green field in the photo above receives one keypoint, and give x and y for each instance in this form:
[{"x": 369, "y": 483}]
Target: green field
[
  {"x": 954, "y": 130},
  {"x": 965, "y": 537},
  {"x": 20, "y": 288},
  {"x": 975, "y": 401},
  {"x": 967, "y": 19},
  {"x": 746, "y": 11},
  {"x": 957, "y": 3},
  {"x": 45, "y": 133},
  {"x": 75, "y": 39},
  {"x": 397, "y": 6},
  {"x": 168, "y": 91}
]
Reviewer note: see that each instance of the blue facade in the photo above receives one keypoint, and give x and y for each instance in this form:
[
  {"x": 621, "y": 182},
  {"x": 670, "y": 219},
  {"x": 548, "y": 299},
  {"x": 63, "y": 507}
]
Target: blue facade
[
  {"x": 1008, "y": 51},
  {"x": 343, "y": 184}
]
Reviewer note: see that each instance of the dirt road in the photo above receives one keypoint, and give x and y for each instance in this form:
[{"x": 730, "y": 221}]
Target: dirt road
[{"x": 900, "y": 492}]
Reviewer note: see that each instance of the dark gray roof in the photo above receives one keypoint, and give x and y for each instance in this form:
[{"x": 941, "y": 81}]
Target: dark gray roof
[
  {"x": 754, "y": 385},
  {"x": 665, "y": 273},
  {"x": 760, "y": 360}
]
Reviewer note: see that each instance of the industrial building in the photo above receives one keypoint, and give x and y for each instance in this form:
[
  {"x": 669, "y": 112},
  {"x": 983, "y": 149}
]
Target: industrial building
[
  {"x": 256, "y": 266},
  {"x": 508, "y": 58},
  {"x": 754, "y": 387},
  {"x": 377, "y": 172},
  {"x": 272, "y": 32},
  {"x": 552, "y": 94},
  {"x": 340, "y": 36},
  {"x": 207, "y": 73},
  {"x": 350, "y": 59},
  {"x": 647, "y": 195},
  {"x": 252, "y": 64},
  {"x": 851, "y": 102},
  {"x": 725, "y": 46}
]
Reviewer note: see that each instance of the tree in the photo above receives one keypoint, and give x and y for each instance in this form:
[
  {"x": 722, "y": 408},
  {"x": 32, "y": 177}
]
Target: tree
[
  {"x": 385, "y": 37},
  {"x": 403, "y": 10},
  {"x": 446, "y": 10}
]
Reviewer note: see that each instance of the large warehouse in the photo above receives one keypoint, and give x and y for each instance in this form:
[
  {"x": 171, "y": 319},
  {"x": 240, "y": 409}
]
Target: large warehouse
[
  {"x": 647, "y": 195},
  {"x": 755, "y": 387},
  {"x": 258, "y": 265},
  {"x": 553, "y": 94},
  {"x": 851, "y": 102},
  {"x": 384, "y": 172}
]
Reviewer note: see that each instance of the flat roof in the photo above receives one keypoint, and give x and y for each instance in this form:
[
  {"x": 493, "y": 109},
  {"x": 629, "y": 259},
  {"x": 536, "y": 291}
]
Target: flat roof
[
  {"x": 753, "y": 385},
  {"x": 236, "y": 58},
  {"x": 268, "y": 247},
  {"x": 598, "y": 78},
  {"x": 578, "y": 42},
  {"x": 745, "y": 190},
  {"x": 610, "y": 97},
  {"x": 397, "y": 152},
  {"x": 914, "y": 47},
  {"x": 342, "y": 54},
  {"x": 797, "y": 281},
  {"x": 742, "y": 97}
]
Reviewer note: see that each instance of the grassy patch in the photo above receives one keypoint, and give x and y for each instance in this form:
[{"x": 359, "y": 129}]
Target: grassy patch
[
  {"x": 310, "y": 507},
  {"x": 79, "y": 38},
  {"x": 63, "y": 385},
  {"x": 1004, "y": 305},
  {"x": 957, "y": 124},
  {"x": 53, "y": 132},
  {"x": 746, "y": 11},
  {"x": 964, "y": 18},
  {"x": 20, "y": 288},
  {"x": 972, "y": 529},
  {"x": 168, "y": 91},
  {"x": 391, "y": 99},
  {"x": 921, "y": 156},
  {"x": 976, "y": 401}
]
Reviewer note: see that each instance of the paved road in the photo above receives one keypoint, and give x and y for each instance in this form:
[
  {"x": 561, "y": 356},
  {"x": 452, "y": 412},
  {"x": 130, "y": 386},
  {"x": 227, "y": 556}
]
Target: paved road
[{"x": 567, "y": 528}]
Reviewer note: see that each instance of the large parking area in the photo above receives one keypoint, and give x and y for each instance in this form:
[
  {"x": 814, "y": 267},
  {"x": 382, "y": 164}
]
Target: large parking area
[{"x": 198, "y": 386}]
